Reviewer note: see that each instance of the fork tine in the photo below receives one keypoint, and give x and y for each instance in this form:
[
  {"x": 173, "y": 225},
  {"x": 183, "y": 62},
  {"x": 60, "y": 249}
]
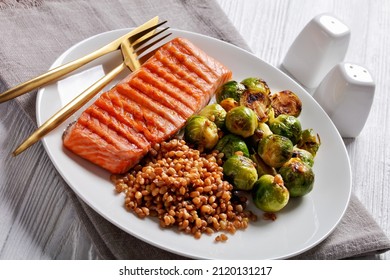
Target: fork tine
[
  {"x": 147, "y": 47},
  {"x": 138, "y": 44},
  {"x": 135, "y": 37}
]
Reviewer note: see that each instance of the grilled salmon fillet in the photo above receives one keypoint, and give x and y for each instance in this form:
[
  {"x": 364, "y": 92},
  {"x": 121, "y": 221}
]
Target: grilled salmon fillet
[{"x": 147, "y": 107}]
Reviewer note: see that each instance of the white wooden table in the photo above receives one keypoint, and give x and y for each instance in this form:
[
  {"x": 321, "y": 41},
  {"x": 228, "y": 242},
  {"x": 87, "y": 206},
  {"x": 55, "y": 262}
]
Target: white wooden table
[{"x": 269, "y": 28}]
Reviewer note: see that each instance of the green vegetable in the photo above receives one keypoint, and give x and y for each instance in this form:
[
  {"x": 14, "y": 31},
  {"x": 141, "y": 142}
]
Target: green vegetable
[
  {"x": 269, "y": 194},
  {"x": 241, "y": 171},
  {"x": 255, "y": 85},
  {"x": 303, "y": 155},
  {"x": 298, "y": 177},
  {"x": 261, "y": 167},
  {"x": 309, "y": 141},
  {"x": 215, "y": 113},
  {"x": 202, "y": 132},
  {"x": 275, "y": 150},
  {"x": 256, "y": 97},
  {"x": 231, "y": 89},
  {"x": 230, "y": 144},
  {"x": 241, "y": 121},
  {"x": 288, "y": 126},
  {"x": 286, "y": 102}
]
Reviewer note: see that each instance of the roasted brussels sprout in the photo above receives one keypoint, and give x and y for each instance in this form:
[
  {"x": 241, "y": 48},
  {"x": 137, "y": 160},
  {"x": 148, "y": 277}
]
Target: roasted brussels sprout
[
  {"x": 241, "y": 121},
  {"x": 309, "y": 141},
  {"x": 256, "y": 97},
  {"x": 269, "y": 194},
  {"x": 230, "y": 144},
  {"x": 231, "y": 89},
  {"x": 259, "y": 102},
  {"x": 275, "y": 150},
  {"x": 228, "y": 104},
  {"x": 202, "y": 132},
  {"x": 261, "y": 167},
  {"x": 298, "y": 177},
  {"x": 288, "y": 126},
  {"x": 215, "y": 113},
  {"x": 255, "y": 85},
  {"x": 286, "y": 102},
  {"x": 240, "y": 171},
  {"x": 304, "y": 155}
]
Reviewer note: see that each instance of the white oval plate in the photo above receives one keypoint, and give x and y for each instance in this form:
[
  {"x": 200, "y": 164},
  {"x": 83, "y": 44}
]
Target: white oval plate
[{"x": 304, "y": 223}]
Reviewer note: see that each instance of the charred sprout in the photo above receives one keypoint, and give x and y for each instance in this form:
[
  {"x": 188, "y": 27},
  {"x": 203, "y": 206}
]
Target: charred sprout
[
  {"x": 241, "y": 121},
  {"x": 231, "y": 89},
  {"x": 309, "y": 141},
  {"x": 286, "y": 102},
  {"x": 256, "y": 85},
  {"x": 275, "y": 150},
  {"x": 298, "y": 177},
  {"x": 288, "y": 126}
]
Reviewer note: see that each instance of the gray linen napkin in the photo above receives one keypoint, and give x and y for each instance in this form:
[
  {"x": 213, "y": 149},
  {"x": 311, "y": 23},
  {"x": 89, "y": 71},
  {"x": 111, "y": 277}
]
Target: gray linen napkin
[{"x": 35, "y": 33}]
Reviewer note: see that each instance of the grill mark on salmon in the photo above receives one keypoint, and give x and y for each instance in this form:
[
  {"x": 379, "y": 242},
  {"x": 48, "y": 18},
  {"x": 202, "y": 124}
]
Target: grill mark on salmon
[
  {"x": 175, "y": 81},
  {"x": 152, "y": 122},
  {"x": 120, "y": 127},
  {"x": 119, "y": 112},
  {"x": 147, "y": 102},
  {"x": 193, "y": 61},
  {"x": 180, "y": 70},
  {"x": 147, "y": 107},
  {"x": 197, "y": 54},
  {"x": 166, "y": 86},
  {"x": 142, "y": 83}
]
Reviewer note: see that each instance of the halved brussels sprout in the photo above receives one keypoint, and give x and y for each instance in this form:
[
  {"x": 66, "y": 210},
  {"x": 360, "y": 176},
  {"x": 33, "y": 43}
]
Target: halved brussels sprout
[
  {"x": 269, "y": 194},
  {"x": 309, "y": 141},
  {"x": 241, "y": 121},
  {"x": 202, "y": 132},
  {"x": 304, "y": 155},
  {"x": 286, "y": 102},
  {"x": 288, "y": 126},
  {"x": 229, "y": 103},
  {"x": 256, "y": 97},
  {"x": 298, "y": 177},
  {"x": 231, "y": 89},
  {"x": 255, "y": 85},
  {"x": 215, "y": 113},
  {"x": 259, "y": 102},
  {"x": 230, "y": 144},
  {"x": 275, "y": 150},
  {"x": 241, "y": 171}
]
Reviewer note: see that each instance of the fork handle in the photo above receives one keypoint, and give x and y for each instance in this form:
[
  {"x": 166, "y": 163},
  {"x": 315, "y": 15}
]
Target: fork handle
[
  {"x": 69, "y": 109},
  {"x": 51, "y": 75}
]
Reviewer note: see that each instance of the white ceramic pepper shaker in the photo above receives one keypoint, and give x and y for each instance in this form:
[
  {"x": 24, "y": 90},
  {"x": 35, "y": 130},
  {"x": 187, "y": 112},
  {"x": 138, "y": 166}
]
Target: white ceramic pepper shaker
[
  {"x": 321, "y": 45},
  {"x": 346, "y": 94}
]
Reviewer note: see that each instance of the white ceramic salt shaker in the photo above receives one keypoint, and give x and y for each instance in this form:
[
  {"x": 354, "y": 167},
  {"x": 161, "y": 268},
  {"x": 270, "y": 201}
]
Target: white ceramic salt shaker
[
  {"x": 321, "y": 45},
  {"x": 346, "y": 94}
]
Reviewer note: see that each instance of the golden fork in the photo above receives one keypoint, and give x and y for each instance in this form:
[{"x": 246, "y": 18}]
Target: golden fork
[
  {"x": 62, "y": 70},
  {"x": 133, "y": 56}
]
